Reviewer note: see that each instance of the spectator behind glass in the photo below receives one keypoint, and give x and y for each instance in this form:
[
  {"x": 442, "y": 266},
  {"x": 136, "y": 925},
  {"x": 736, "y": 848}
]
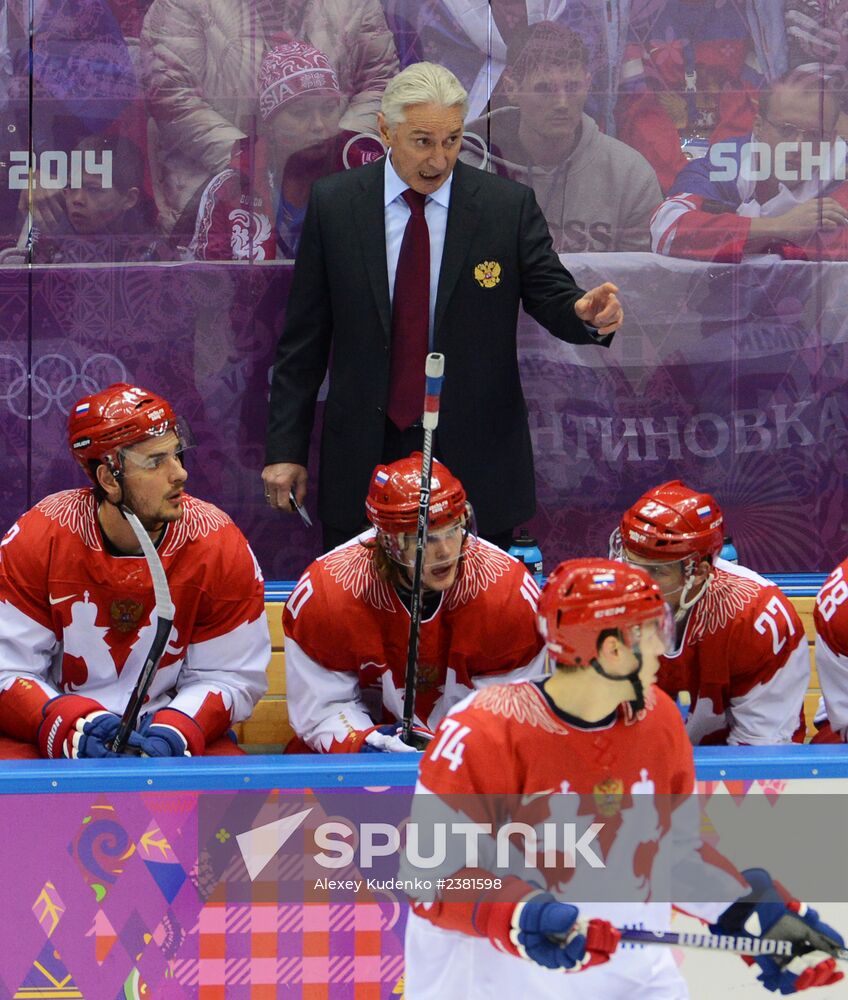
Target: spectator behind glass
[
  {"x": 105, "y": 218},
  {"x": 200, "y": 64},
  {"x": 254, "y": 209},
  {"x": 690, "y": 74},
  {"x": 817, "y": 42},
  {"x": 473, "y": 38},
  {"x": 595, "y": 192},
  {"x": 778, "y": 189},
  {"x": 77, "y": 80}
]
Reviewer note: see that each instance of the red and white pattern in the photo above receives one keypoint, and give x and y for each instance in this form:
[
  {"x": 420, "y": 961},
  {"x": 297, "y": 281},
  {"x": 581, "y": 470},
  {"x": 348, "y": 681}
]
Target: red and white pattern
[
  {"x": 73, "y": 510},
  {"x": 727, "y": 596},
  {"x": 743, "y": 659},
  {"x": 74, "y": 618},
  {"x": 206, "y": 213},
  {"x": 347, "y": 636},
  {"x": 831, "y": 619},
  {"x": 290, "y": 69},
  {"x": 352, "y": 567},
  {"x": 519, "y": 703},
  {"x": 633, "y": 779},
  {"x": 483, "y": 568},
  {"x": 200, "y": 520}
]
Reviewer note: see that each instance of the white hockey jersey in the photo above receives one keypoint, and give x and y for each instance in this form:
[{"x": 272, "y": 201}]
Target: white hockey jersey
[{"x": 75, "y": 618}]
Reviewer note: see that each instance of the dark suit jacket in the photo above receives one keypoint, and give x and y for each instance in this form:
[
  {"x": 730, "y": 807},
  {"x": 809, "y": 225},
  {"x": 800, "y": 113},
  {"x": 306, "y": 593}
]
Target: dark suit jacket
[{"x": 339, "y": 311}]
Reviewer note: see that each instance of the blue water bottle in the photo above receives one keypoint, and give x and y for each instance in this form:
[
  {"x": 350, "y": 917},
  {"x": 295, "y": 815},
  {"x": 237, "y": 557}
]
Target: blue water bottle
[
  {"x": 728, "y": 551},
  {"x": 527, "y": 550}
]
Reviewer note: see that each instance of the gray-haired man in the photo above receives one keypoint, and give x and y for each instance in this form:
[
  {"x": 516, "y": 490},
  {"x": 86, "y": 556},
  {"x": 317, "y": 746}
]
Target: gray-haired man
[{"x": 489, "y": 251}]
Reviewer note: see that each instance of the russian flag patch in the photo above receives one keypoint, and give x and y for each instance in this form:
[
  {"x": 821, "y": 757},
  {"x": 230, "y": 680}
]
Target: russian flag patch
[
  {"x": 82, "y": 408},
  {"x": 381, "y": 478},
  {"x": 704, "y": 512},
  {"x": 603, "y": 578}
]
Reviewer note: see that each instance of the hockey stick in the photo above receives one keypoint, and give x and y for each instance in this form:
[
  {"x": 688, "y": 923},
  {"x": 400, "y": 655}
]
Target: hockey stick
[
  {"x": 164, "y": 620},
  {"x": 434, "y": 371},
  {"x": 738, "y": 944}
]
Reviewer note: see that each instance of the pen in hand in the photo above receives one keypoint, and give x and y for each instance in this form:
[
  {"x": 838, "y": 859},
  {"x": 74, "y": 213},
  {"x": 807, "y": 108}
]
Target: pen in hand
[{"x": 304, "y": 516}]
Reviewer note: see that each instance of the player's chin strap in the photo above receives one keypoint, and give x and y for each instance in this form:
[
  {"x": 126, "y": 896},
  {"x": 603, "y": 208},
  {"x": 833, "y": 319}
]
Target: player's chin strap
[
  {"x": 687, "y": 602},
  {"x": 637, "y": 703}
]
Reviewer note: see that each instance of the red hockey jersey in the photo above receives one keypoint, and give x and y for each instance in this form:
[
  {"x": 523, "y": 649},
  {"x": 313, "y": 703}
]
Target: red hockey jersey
[
  {"x": 75, "y": 618},
  {"x": 743, "y": 659},
  {"x": 633, "y": 776},
  {"x": 347, "y": 633}
]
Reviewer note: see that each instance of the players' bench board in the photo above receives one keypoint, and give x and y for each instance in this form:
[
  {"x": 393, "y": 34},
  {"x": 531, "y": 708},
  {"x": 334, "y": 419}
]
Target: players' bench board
[{"x": 268, "y": 729}]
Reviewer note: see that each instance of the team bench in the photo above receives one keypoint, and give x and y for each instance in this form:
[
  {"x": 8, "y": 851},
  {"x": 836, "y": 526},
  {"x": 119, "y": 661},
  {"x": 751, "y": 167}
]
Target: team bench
[{"x": 268, "y": 729}]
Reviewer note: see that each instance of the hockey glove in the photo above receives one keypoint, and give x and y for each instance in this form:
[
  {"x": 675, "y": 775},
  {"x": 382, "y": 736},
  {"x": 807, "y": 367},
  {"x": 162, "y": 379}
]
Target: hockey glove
[
  {"x": 74, "y": 726},
  {"x": 157, "y": 740},
  {"x": 387, "y": 739},
  {"x": 768, "y": 911},
  {"x": 545, "y": 931}
]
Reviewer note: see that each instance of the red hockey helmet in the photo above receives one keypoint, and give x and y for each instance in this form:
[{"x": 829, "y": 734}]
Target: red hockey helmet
[
  {"x": 671, "y": 522},
  {"x": 101, "y": 424},
  {"x": 392, "y": 507},
  {"x": 392, "y": 501},
  {"x": 584, "y": 597}
]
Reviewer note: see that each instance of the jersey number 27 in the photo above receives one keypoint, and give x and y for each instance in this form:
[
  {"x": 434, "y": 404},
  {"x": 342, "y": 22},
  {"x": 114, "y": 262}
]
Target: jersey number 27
[{"x": 769, "y": 620}]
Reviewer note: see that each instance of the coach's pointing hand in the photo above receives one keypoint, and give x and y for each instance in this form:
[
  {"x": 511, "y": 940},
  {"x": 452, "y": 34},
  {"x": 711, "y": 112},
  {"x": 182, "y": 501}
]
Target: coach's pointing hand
[{"x": 600, "y": 307}]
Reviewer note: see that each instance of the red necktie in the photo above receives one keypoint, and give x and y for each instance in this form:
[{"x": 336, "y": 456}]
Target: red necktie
[{"x": 410, "y": 318}]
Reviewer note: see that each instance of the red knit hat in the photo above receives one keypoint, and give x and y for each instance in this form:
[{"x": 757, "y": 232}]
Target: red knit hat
[{"x": 292, "y": 68}]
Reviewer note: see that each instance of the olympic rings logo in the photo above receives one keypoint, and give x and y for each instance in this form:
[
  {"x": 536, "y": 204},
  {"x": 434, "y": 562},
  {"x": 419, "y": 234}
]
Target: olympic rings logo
[{"x": 55, "y": 381}]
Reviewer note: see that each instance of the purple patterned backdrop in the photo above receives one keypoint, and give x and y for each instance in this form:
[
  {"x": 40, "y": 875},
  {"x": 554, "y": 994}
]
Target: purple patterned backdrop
[
  {"x": 118, "y": 896},
  {"x": 203, "y": 335},
  {"x": 731, "y": 376}
]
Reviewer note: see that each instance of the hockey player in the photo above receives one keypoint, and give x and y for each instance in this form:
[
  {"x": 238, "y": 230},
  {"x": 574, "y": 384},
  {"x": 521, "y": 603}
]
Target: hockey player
[
  {"x": 740, "y": 649},
  {"x": 347, "y": 620},
  {"x": 76, "y": 599},
  {"x": 598, "y": 731},
  {"x": 831, "y": 619}
]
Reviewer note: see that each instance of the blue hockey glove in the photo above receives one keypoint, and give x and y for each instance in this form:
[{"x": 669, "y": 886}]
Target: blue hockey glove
[
  {"x": 543, "y": 930},
  {"x": 160, "y": 741},
  {"x": 93, "y": 735},
  {"x": 769, "y": 911}
]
